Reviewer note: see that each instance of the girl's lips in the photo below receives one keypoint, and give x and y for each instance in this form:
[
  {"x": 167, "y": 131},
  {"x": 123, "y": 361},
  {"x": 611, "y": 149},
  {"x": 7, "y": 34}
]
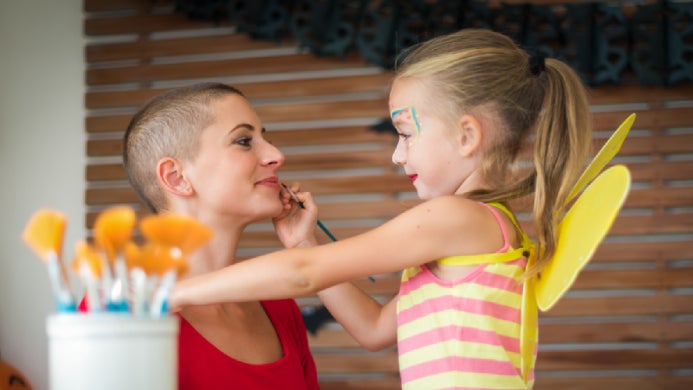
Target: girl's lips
[{"x": 412, "y": 177}]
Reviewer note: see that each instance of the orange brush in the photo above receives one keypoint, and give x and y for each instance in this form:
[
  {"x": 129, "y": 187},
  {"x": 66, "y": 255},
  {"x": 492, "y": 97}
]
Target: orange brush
[
  {"x": 138, "y": 278},
  {"x": 44, "y": 234},
  {"x": 171, "y": 238},
  {"x": 88, "y": 264},
  {"x": 176, "y": 231},
  {"x": 112, "y": 231}
]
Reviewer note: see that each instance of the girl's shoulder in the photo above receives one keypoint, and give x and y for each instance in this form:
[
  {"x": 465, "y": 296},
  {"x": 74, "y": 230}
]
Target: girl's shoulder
[
  {"x": 467, "y": 226},
  {"x": 452, "y": 213},
  {"x": 453, "y": 206}
]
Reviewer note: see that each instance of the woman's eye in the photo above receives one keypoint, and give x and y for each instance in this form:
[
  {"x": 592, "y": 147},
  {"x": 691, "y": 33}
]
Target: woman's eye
[{"x": 243, "y": 141}]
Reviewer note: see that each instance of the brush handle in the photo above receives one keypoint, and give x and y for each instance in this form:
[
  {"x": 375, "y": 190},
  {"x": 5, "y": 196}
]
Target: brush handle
[
  {"x": 63, "y": 298},
  {"x": 320, "y": 225},
  {"x": 159, "y": 302},
  {"x": 324, "y": 229},
  {"x": 119, "y": 289},
  {"x": 139, "y": 291},
  {"x": 93, "y": 302}
]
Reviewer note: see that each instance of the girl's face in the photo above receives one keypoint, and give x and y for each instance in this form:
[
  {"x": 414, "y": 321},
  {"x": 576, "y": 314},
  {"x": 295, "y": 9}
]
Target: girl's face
[
  {"x": 426, "y": 148},
  {"x": 235, "y": 171}
]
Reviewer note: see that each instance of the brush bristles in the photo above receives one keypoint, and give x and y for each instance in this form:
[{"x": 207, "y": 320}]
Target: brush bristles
[
  {"x": 113, "y": 230},
  {"x": 44, "y": 233}
]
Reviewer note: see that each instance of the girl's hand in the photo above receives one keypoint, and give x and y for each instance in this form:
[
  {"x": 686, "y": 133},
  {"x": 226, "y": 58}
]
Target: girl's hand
[
  {"x": 295, "y": 226},
  {"x": 174, "y": 304}
]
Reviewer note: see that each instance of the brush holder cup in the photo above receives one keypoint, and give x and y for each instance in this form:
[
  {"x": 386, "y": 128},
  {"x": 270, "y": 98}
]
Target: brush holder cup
[{"x": 112, "y": 351}]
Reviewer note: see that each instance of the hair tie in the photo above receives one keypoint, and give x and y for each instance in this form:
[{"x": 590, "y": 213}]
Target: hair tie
[{"x": 536, "y": 63}]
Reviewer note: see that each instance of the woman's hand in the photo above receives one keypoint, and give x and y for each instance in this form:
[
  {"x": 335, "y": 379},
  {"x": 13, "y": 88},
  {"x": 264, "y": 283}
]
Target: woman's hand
[{"x": 295, "y": 226}]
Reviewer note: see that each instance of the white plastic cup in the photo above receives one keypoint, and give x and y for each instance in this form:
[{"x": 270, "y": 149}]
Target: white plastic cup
[{"x": 112, "y": 351}]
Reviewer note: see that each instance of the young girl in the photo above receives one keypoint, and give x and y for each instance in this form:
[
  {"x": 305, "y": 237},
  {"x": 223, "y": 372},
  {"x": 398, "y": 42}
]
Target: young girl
[{"x": 463, "y": 105}]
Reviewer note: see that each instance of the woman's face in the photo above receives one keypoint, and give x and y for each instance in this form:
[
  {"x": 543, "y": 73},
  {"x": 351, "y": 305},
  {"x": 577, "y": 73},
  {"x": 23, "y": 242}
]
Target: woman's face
[
  {"x": 235, "y": 171},
  {"x": 426, "y": 149}
]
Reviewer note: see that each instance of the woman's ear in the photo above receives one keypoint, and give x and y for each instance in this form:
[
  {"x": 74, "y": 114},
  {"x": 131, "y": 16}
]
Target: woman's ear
[
  {"x": 170, "y": 174},
  {"x": 470, "y": 135}
]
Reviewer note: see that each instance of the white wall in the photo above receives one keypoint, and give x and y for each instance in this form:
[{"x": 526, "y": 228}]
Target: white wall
[{"x": 42, "y": 143}]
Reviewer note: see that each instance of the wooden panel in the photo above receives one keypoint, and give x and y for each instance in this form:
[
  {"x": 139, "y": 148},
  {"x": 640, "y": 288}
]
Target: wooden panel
[
  {"x": 221, "y": 68},
  {"x": 275, "y": 113},
  {"x": 630, "y": 382},
  {"x": 628, "y": 305},
  {"x": 113, "y": 5},
  {"x": 647, "y": 118},
  {"x": 254, "y": 90},
  {"x": 141, "y": 24},
  {"x": 176, "y": 47}
]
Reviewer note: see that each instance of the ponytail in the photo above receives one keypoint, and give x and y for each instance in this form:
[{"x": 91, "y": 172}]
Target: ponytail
[{"x": 562, "y": 145}]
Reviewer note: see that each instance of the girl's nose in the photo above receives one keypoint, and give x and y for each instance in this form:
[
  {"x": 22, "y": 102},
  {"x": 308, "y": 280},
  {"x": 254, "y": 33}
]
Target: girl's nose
[{"x": 398, "y": 155}]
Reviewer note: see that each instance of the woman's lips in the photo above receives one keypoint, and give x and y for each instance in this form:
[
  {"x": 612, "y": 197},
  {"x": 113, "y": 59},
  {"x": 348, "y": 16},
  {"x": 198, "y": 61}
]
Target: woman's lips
[
  {"x": 412, "y": 177},
  {"x": 270, "y": 182}
]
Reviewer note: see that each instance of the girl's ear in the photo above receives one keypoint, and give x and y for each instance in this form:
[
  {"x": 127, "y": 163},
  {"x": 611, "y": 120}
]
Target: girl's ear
[
  {"x": 170, "y": 174},
  {"x": 470, "y": 135}
]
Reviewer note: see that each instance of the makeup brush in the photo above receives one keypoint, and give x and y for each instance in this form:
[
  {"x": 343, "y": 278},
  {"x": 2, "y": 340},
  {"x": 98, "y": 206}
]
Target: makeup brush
[
  {"x": 300, "y": 204},
  {"x": 112, "y": 231},
  {"x": 171, "y": 238},
  {"x": 138, "y": 279},
  {"x": 320, "y": 225},
  {"x": 88, "y": 264},
  {"x": 44, "y": 234}
]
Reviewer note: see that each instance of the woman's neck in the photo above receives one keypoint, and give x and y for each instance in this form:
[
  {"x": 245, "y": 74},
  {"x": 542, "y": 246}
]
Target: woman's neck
[{"x": 217, "y": 253}]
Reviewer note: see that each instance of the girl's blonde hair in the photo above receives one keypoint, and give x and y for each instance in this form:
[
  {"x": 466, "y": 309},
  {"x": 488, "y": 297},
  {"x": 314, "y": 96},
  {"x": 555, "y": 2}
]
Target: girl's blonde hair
[{"x": 481, "y": 71}]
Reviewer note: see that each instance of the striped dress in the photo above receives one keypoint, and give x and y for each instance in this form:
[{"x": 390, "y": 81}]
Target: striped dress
[{"x": 462, "y": 334}]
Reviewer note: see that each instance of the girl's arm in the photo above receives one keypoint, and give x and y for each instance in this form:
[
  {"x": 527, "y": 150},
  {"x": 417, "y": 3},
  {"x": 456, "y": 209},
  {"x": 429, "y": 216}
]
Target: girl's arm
[
  {"x": 367, "y": 320},
  {"x": 372, "y": 324},
  {"x": 362, "y": 316},
  {"x": 444, "y": 226}
]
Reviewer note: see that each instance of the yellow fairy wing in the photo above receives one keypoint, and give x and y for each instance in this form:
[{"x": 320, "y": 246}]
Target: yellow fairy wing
[
  {"x": 177, "y": 231},
  {"x": 113, "y": 229},
  {"x": 579, "y": 233},
  {"x": 44, "y": 232},
  {"x": 605, "y": 154}
]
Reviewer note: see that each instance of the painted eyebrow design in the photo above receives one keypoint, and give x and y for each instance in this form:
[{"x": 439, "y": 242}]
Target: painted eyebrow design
[{"x": 414, "y": 115}]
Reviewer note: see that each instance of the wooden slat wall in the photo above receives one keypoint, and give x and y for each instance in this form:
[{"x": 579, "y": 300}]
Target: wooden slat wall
[{"x": 627, "y": 322}]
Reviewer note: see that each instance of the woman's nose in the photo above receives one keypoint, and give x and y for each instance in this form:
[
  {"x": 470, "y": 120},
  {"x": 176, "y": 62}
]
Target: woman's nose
[{"x": 272, "y": 155}]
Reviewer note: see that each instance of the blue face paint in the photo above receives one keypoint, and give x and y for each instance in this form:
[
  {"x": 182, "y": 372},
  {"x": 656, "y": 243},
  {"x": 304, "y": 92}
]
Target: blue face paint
[{"x": 412, "y": 115}]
